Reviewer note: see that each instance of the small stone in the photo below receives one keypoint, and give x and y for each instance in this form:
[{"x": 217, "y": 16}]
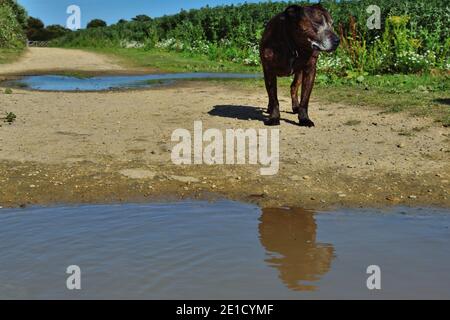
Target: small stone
[
  {"x": 138, "y": 173},
  {"x": 185, "y": 179},
  {"x": 306, "y": 178},
  {"x": 342, "y": 195},
  {"x": 412, "y": 197},
  {"x": 295, "y": 178},
  {"x": 400, "y": 145},
  {"x": 32, "y": 186}
]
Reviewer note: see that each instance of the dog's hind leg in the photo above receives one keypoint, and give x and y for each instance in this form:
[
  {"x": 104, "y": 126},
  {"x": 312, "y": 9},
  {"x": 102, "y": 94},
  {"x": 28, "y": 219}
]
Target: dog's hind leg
[
  {"x": 274, "y": 107},
  {"x": 294, "y": 91}
]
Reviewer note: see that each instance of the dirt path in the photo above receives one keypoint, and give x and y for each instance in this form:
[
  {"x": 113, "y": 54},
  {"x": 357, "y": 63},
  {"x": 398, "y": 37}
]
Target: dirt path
[
  {"x": 36, "y": 60},
  {"x": 116, "y": 146}
]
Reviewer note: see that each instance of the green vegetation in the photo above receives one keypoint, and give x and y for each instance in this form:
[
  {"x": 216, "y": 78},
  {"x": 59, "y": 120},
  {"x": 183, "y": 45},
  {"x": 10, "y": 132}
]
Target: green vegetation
[
  {"x": 37, "y": 31},
  {"x": 9, "y": 117},
  {"x": 414, "y": 36},
  {"x": 9, "y": 54},
  {"x": 96, "y": 23},
  {"x": 8, "y": 91},
  {"x": 11, "y": 25},
  {"x": 162, "y": 60}
]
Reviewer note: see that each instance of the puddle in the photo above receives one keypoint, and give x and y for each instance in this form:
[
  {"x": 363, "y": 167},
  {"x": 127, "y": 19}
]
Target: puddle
[
  {"x": 102, "y": 83},
  {"x": 223, "y": 250}
]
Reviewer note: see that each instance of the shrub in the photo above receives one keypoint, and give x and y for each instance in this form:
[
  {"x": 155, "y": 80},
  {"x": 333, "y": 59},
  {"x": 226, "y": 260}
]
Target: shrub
[{"x": 11, "y": 32}]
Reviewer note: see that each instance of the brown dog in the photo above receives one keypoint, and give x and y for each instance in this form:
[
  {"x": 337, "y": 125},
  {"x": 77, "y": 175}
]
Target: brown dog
[{"x": 291, "y": 45}]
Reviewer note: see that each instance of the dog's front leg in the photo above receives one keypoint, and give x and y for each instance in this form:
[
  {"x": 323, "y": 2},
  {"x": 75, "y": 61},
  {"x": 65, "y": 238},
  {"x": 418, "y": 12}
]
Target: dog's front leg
[
  {"x": 294, "y": 91},
  {"x": 274, "y": 107},
  {"x": 309, "y": 76}
]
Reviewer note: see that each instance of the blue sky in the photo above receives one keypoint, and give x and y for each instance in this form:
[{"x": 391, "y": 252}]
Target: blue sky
[{"x": 54, "y": 11}]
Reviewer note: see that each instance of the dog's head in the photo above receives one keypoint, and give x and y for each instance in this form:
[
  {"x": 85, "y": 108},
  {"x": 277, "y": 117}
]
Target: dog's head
[{"x": 312, "y": 26}]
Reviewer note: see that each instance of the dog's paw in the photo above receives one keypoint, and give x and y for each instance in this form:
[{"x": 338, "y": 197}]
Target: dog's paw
[
  {"x": 272, "y": 122},
  {"x": 306, "y": 123}
]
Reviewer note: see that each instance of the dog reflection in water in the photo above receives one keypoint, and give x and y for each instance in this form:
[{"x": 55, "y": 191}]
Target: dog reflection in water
[{"x": 289, "y": 237}]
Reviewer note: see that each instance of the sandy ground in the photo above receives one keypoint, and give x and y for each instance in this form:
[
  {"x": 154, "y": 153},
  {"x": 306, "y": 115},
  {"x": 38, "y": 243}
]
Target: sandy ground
[
  {"x": 38, "y": 60},
  {"x": 116, "y": 146}
]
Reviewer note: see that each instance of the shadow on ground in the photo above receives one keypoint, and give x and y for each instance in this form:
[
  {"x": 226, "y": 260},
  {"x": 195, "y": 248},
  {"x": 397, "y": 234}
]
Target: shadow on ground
[
  {"x": 243, "y": 113},
  {"x": 238, "y": 112}
]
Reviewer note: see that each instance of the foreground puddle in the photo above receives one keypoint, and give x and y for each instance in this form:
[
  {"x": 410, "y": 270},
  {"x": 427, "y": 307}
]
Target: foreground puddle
[
  {"x": 224, "y": 249},
  {"x": 102, "y": 83}
]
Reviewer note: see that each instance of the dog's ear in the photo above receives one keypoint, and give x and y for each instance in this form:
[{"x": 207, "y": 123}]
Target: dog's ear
[
  {"x": 294, "y": 12},
  {"x": 318, "y": 6}
]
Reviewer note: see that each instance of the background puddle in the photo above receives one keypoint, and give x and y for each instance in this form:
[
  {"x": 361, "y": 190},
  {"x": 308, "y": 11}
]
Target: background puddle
[
  {"x": 102, "y": 83},
  {"x": 225, "y": 249}
]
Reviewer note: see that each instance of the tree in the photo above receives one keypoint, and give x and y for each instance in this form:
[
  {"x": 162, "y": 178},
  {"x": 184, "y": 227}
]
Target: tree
[
  {"x": 56, "y": 31},
  {"x": 34, "y": 29},
  {"x": 35, "y": 23},
  {"x": 142, "y": 18},
  {"x": 96, "y": 23}
]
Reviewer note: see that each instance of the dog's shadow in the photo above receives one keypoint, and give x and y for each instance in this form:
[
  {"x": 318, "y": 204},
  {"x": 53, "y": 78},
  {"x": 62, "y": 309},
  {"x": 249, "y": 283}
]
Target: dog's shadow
[{"x": 240, "y": 112}]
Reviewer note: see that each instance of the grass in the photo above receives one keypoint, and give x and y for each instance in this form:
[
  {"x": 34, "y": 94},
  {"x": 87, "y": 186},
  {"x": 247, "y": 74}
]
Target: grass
[
  {"x": 165, "y": 61},
  {"x": 9, "y": 55},
  {"x": 420, "y": 95}
]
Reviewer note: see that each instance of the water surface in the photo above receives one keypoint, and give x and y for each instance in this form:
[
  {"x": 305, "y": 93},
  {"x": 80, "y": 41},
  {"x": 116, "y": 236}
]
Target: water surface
[
  {"x": 222, "y": 250},
  {"x": 102, "y": 83}
]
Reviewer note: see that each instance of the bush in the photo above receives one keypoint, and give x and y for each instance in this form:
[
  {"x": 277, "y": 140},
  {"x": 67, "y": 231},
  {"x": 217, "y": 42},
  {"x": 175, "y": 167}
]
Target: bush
[
  {"x": 96, "y": 23},
  {"x": 11, "y": 32}
]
